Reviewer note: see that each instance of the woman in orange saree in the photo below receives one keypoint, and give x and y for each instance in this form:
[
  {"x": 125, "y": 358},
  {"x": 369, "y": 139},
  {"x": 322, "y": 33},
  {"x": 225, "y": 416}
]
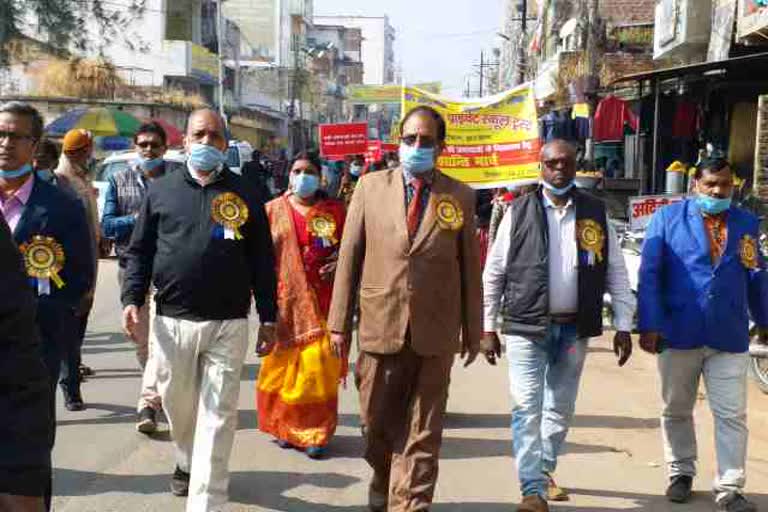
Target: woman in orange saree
[{"x": 297, "y": 389}]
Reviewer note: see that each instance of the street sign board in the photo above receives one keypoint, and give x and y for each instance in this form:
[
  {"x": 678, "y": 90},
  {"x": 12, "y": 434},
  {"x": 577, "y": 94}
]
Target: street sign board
[
  {"x": 642, "y": 208},
  {"x": 343, "y": 139}
]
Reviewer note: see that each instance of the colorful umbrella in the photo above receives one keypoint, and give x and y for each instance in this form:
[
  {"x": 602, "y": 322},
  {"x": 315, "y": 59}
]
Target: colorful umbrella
[
  {"x": 100, "y": 121},
  {"x": 174, "y": 135}
]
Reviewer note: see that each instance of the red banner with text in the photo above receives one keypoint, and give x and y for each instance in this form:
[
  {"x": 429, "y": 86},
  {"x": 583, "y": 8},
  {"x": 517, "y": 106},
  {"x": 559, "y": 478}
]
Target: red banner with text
[{"x": 343, "y": 139}]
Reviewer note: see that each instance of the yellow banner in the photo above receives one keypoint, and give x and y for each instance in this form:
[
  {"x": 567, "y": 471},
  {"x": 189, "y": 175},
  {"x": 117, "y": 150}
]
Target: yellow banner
[
  {"x": 370, "y": 94},
  {"x": 491, "y": 142}
]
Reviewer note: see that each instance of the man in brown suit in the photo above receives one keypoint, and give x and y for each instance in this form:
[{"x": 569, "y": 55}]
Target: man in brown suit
[{"x": 410, "y": 257}]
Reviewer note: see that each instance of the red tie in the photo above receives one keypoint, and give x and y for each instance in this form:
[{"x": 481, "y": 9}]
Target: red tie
[{"x": 414, "y": 207}]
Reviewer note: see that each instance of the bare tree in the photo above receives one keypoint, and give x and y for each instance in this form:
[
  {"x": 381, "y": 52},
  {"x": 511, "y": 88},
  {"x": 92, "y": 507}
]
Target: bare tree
[{"x": 86, "y": 26}]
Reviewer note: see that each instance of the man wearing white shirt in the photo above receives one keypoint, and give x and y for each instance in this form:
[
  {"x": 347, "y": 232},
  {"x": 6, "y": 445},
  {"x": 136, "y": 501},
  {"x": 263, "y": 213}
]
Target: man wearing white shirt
[{"x": 554, "y": 257}]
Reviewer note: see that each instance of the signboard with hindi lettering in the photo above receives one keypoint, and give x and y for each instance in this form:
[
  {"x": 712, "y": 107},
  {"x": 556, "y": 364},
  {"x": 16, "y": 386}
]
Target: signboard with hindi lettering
[
  {"x": 343, "y": 139},
  {"x": 491, "y": 142},
  {"x": 642, "y": 208}
]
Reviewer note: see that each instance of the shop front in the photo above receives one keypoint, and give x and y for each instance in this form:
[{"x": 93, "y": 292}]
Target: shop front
[{"x": 690, "y": 112}]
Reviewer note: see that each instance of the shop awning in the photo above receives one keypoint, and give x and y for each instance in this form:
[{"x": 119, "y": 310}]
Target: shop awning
[{"x": 743, "y": 64}]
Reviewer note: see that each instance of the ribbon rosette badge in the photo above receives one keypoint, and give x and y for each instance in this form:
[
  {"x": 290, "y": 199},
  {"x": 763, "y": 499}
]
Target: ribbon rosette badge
[
  {"x": 230, "y": 211},
  {"x": 44, "y": 258},
  {"x": 323, "y": 227},
  {"x": 450, "y": 216},
  {"x": 748, "y": 252},
  {"x": 591, "y": 239}
]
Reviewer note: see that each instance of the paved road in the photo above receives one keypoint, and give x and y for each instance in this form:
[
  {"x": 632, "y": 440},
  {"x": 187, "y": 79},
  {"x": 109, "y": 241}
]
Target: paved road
[{"x": 612, "y": 462}]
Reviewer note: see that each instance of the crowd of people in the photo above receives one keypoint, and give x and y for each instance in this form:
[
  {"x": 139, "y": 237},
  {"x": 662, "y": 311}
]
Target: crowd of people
[{"x": 390, "y": 251}]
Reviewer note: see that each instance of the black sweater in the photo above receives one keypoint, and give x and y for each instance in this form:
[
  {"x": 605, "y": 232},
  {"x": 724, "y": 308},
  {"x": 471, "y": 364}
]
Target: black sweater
[{"x": 199, "y": 276}]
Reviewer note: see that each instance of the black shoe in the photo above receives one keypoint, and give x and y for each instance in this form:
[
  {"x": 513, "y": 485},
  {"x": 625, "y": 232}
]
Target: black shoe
[
  {"x": 735, "y": 502},
  {"x": 180, "y": 482},
  {"x": 146, "y": 422},
  {"x": 679, "y": 490},
  {"x": 73, "y": 402}
]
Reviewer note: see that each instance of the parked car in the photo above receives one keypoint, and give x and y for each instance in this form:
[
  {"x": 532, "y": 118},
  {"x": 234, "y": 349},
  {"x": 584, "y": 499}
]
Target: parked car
[
  {"x": 238, "y": 153},
  {"x": 117, "y": 162}
]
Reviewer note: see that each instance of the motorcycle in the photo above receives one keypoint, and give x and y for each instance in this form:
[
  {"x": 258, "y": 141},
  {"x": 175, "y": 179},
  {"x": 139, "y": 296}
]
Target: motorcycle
[
  {"x": 758, "y": 364},
  {"x": 631, "y": 246}
]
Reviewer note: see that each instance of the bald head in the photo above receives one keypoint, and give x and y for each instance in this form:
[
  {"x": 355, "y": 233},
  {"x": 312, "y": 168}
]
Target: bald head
[
  {"x": 558, "y": 145},
  {"x": 205, "y": 126},
  {"x": 558, "y": 163}
]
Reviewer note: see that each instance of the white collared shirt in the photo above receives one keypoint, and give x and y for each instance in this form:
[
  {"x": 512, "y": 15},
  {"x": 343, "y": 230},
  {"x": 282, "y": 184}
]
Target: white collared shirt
[
  {"x": 563, "y": 269},
  {"x": 563, "y": 257}
]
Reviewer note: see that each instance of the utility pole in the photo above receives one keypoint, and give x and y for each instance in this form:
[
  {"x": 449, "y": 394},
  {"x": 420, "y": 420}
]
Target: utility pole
[
  {"x": 221, "y": 45},
  {"x": 296, "y": 87},
  {"x": 521, "y": 56},
  {"x": 593, "y": 25},
  {"x": 482, "y": 71}
]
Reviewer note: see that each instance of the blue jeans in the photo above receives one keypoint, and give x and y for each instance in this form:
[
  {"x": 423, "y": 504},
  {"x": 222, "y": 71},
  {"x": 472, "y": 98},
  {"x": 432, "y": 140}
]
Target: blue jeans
[{"x": 544, "y": 380}]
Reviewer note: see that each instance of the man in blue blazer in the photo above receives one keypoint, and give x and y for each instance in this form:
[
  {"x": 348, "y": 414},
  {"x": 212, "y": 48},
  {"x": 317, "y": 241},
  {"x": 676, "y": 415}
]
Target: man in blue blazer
[
  {"x": 701, "y": 275},
  {"x": 50, "y": 227}
]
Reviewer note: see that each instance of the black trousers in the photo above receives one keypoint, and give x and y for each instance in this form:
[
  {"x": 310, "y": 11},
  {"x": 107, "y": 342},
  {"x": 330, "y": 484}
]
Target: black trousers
[{"x": 70, "y": 379}]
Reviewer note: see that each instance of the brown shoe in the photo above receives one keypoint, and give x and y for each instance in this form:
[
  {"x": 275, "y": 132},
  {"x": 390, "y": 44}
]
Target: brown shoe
[
  {"x": 533, "y": 503},
  {"x": 554, "y": 492}
]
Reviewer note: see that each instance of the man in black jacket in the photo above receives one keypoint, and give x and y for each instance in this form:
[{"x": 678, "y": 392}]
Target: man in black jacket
[
  {"x": 203, "y": 240},
  {"x": 26, "y": 394},
  {"x": 553, "y": 259}
]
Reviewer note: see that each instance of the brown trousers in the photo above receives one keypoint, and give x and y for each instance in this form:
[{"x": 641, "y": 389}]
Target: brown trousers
[{"x": 402, "y": 405}]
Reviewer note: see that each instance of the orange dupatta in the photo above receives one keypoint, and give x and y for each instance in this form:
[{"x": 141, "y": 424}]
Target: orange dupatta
[{"x": 299, "y": 320}]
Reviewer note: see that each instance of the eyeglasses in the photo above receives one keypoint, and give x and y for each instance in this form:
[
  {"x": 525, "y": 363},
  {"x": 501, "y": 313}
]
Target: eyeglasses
[
  {"x": 425, "y": 141},
  {"x": 15, "y": 137},
  {"x": 150, "y": 145}
]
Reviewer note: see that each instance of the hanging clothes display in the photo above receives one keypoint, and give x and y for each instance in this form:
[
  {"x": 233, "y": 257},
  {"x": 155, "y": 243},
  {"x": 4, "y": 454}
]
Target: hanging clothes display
[
  {"x": 685, "y": 124},
  {"x": 580, "y": 117},
  {"x": 611, "y": 117},
  {"x": 556, "y": 124}
]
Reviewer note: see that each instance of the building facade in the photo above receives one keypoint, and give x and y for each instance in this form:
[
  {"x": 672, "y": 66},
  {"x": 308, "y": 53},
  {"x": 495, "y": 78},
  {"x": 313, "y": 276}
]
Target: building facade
[{"x": 377, "y": 48}]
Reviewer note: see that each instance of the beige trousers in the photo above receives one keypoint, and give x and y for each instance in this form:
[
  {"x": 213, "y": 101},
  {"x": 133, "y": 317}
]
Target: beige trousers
[
  {"x": 198, "y": 376},
  {"x": 148, "y": 397}
]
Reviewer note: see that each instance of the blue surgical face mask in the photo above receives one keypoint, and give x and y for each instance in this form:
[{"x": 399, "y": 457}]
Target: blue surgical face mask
[
  {"x": 305, "y": 185},
  {"x": 355, "y": 169},
  {"x": 331, "y": 177},
  {"x": 557, "y": 191},
  {"x": 205, "y": 158},
  {"x": 712, "y": 205},
  {"x": 18, "y": 173},
  {"x": 417, "y": 160},
  {"x": 149, "y": 164}
]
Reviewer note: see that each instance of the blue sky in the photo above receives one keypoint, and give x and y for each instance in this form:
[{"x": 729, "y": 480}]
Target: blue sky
[{"x": 436, "y": 39}]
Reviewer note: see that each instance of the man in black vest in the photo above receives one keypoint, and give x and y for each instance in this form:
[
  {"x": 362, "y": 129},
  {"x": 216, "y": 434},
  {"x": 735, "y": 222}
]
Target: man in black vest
[{"x": 554, "y": 257}]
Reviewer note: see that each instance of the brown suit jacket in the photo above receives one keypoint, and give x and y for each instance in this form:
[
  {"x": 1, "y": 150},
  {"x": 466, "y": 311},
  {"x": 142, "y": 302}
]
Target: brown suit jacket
[{"x": 432, "y": 286}]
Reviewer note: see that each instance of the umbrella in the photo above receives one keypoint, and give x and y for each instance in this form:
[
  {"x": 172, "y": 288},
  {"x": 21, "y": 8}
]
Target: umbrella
[
  {"x": 102, "y": 122},
  {"x": 174, "y": 135},
  {"x": 114, "y": 143}
]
